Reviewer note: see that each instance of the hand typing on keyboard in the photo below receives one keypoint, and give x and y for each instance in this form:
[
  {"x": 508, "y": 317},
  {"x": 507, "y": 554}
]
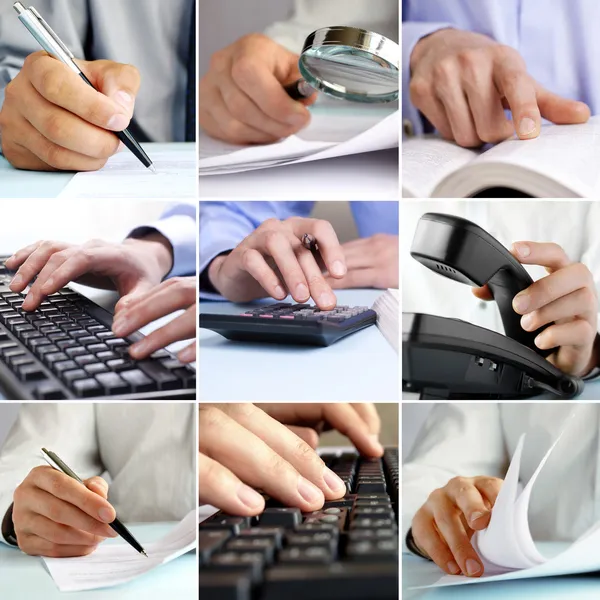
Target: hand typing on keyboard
[
  {"x": 137, "y": 310},
  {"x": 272, "y": 261},
  {"x": 271, "y": 447}
]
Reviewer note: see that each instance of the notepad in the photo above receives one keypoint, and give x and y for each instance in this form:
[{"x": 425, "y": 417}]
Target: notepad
[
  {"x": 330, "y": 134},
  {"x": 387, "y": 307},
  {"x": 506, "y": 547},
  {"x": 124, "y": 176},
  {"x": 117, "y": 562}
]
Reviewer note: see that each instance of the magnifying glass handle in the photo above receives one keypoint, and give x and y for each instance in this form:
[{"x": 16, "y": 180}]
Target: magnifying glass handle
[{"x": 299, "y": 90}]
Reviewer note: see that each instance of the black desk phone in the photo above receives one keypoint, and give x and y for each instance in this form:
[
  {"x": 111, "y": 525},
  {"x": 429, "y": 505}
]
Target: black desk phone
[{"x": 450, "y": 358}]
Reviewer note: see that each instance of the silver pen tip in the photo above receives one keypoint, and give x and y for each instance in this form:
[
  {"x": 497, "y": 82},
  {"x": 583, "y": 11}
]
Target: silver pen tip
[
  {"x": 152, "y": 168},
  {"x": 144, "y": 553}
]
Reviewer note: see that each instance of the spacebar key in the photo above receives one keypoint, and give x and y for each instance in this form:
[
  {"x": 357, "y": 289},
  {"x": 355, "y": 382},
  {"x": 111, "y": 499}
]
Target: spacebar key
[{"x": 338, "y": 581}]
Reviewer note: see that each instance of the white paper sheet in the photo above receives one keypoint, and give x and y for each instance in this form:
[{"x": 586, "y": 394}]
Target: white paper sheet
[
  {"x": 124, "y": 176},
  {"x": 116, "y": 563},
  {"x": 387, "y": 307},
  {"x": 507, "y": 548},
  {"x": 330, "y": 134}
]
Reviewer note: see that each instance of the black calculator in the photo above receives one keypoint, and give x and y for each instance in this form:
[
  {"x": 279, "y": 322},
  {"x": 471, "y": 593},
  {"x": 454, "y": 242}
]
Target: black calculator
[
  {"x": 286, "y": 323},
  {"x": 348, "y": 550}
]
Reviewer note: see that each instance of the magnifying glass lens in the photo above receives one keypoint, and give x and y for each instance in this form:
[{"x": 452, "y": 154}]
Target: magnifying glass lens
[{"x": 350, "y": 73}]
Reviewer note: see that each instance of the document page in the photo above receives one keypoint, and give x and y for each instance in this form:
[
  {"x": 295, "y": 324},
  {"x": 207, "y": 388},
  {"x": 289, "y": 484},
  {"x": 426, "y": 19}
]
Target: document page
[
  {"x": 116, "y": 563},
  {"x": 329, "y": 135},
  {"x": 124, "y": 175}
]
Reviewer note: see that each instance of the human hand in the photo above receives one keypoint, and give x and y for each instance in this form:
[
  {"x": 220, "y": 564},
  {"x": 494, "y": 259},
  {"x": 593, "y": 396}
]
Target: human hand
[
  {"x": 462, "y": 82},
  {"x": 132, "y": 267},
  {"x": 56, "y": 516},
  {"x": 52, "y": 120},
  {"x": 244, "y": 447},
  {"x": 242, "y": 99},
  {"x": 133, "y": 312},
  {"x": 443, "y": 527},
  {"x": 272, "y": 261},
  {"x": 371, "y": 262},
  {"x": 566, "y": 297}
]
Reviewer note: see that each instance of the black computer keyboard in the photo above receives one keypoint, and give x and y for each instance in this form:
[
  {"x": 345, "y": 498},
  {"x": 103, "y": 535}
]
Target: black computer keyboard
[
  {"x": 286, "y": 323},
  {"x": 65, "y": 349},
  {"x": 348, "y": 550}
]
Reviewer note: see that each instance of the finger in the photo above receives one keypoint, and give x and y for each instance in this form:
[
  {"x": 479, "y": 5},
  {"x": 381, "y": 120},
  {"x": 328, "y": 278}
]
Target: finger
[
  {"x": 429, "y": 541},
  {"x": 249, "y": 457},
  {"x": 20, "y": 256},
  {"x": 549, "y": 255},
  {"x": 62, "y": 87},
  {"x": 41, "y": 502},
  {"x": 37, "y": 546},
  {"x": 188, "y": 354},
  {"x": 98, "y": 486},
  {"x": 576, "y": 333},
  {"x": 290, "y": 447},
  {"x": 463, "y": 493},
  {"x": 256, "y": 266},
  {"x": 309, "y": 435},
  {"x": 35, "y": 296},
  {"x": 450, "y": 526},
  {"x": 118, "y": 81},
  {"x": 60, "y": 534},
  {"x": 319, "y": 289},
  {"x": 72, "y": 492},
  {"x": 552, "y": 287},
  {"x": 368, "y": 413},
  {"x": 423, "y": 96},
  {"x": 219, "y": 487},
  {"x": 561, "y": 110},
  {"x": 130, "y": 290},
  {"x": 329, "y": 246},
  {"x": 581, "y": 303},
  {"x": 34, "y": 263},
  {"x": 181, "y": 328},
  {"x": 356, "y": 278},
  {"x": 489, "y": 488},
  {"x": 67, "y": 130},
  {"x": 515, "y": 84},
  {"x": 358, "y": 254},
  {"x": 278, "y": 246},
  {"x": 483, "y": 293}
]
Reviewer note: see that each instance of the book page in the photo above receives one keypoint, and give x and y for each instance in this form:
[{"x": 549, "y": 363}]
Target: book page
[
  {"x": 329, "y": 135},
  {"x": 124, "y": 176},
  {"x": 117, "y": 562},
  {"x": 427, "y": 160}
]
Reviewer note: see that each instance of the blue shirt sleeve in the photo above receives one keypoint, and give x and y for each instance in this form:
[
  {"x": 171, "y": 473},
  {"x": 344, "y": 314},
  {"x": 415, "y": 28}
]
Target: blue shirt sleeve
[{"x": 178, "y": 225}]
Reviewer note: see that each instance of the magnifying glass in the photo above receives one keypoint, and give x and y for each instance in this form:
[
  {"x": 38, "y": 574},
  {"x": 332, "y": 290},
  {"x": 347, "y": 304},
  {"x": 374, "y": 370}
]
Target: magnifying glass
[{"x": 348, "y": 63}]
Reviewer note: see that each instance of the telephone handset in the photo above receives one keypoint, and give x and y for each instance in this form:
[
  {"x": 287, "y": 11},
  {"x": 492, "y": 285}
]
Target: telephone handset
[{"x": 463, "y": 251}]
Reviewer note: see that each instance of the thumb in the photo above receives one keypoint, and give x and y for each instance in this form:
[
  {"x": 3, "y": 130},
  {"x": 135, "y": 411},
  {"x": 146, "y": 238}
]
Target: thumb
[
  {"x": 98, "y": 486},
  {"x": 118, "y": 81},
  {"x": 561, "y": 111},
  {"x": 129, "y": 291}
]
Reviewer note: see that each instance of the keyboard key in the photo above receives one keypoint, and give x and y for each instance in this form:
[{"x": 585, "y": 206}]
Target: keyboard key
[
  {"x": 211, "y": 541},
  {"x": 86, "y": 388},
  {"x": 225, "y": 585},
  {"x": 280, "y": 517},
  {"x": 112, "y": 383}
]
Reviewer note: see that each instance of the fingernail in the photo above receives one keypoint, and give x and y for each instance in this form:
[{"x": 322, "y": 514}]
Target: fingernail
[
  {"x": 249, "y": 497},
  {"x": 106, "y": 515},
  {"x": 332, "y": 481},
  {"x": 475, "y": 516},
  {"x": 187, "y": 354},
  {"x": 113, "y": 534},
  {"x": 301, "y": 291},
  {"x": 473, "y": 567},
  {"x": 453, "y": 568},
  {"x": 539, "y": 341},
  {"x": 521, "y": 302},
  {"x": 326, "y": 299},
  {"x": 338, "y": 268},
  {"x": 17, "y": 280},
  {"x": 523, "y": 250},
  {"x": 124, "y": 99},
  {"x": 526, "y": 126},
  {"x": 376, "y": 443},
  {"x": 309, "y": 492},
  {"x": 527, "y": 321},
  {"x": 138, "y": 349},
  {"x": 280, "y": 292},
  {"x": 297, "y": 119},
  {"x": 118, "y": 122}
]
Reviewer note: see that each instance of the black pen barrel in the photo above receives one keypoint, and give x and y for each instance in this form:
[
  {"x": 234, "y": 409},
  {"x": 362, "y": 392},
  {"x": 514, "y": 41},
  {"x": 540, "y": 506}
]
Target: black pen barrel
[{"x": 117, "y": 526}]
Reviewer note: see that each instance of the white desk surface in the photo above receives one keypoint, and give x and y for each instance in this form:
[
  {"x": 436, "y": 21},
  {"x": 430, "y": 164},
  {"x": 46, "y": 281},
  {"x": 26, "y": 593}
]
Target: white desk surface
[
  {"x": 15, "y": 183},
  {"x": 25, "y": 577},
  {"x": 360, "y": 368},
  {"x": 368, "y": 176},
  {"x": 417, "y": 571}
]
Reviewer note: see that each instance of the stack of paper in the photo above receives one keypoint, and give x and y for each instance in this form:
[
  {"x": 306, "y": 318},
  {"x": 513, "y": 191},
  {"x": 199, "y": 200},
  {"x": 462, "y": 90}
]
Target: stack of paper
[
  {"x": 387, "y": 307},
  {"x": 116, "y": 563},
  {"x": 330, "y": 134},
  {"x": 507, "y": 548}
]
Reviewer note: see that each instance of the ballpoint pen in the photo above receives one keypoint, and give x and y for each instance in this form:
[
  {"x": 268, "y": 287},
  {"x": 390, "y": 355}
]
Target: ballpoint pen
[
  {"x": 56, "y": 463},
  {"x": 54, "y": 46}
]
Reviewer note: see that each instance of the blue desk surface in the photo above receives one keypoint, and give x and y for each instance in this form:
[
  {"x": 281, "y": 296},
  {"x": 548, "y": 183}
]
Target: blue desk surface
[
  {"x": 26, "y": 578},
  {"x": 416, "y": 571},
  {"x": 362, "y": 367},
  {"x": 15, "y": 183}
]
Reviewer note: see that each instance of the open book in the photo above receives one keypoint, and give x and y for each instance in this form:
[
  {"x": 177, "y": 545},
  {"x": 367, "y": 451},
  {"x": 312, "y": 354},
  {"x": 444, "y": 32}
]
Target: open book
[
  {"x": 506, "y": 546},
  {"x": 563, "y": 162},
  {"x": 387, "y": 307}
]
